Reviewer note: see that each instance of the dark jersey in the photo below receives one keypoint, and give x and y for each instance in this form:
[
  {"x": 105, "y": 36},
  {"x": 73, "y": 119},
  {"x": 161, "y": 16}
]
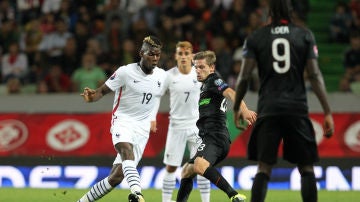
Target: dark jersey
[
  {"x": 212, "y": 103},
  {"x": 281, "y": 53}
]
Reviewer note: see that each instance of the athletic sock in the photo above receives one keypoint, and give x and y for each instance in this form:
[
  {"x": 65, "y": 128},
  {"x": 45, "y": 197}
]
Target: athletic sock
[
  {"x": 259, "y": 187},
  {"x": 204, "y": 188},
  {"x": 131, "y": 175},
  {"x": 308, "y": 187},
  {"x": 169, "y": 182},
  {"x": 97, "y": 191},
  {"x": 186, "y": 186},
  {"x": 217, "y": 179}
]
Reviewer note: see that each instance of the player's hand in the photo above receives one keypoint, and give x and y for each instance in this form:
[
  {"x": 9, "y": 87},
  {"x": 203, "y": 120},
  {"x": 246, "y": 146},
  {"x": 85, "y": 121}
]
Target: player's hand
[
  {"x": 88, "y": 94},
  {"x": 247, "y": 115},
  {"x": 328, "y": 126},
  {"x": 153, "y": 127}
]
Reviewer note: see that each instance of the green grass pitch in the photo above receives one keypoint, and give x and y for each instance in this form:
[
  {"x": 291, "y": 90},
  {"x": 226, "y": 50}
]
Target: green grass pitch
[{"x": 154, "y": 195}]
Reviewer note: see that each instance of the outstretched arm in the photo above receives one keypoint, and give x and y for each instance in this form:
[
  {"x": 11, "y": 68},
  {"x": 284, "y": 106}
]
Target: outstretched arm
[
  {"x": 318, "y": 86},
  {"x": 91, "y": 95},
  {"x": 242, "y": 85},
  {"x": 248, "y": 115}
]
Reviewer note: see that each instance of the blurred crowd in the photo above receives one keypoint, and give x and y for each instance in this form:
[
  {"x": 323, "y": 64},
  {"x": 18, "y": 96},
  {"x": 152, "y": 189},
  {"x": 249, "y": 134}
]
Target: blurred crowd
[
  {"x": 64, "y": 45},
  {"x": 345, "y": 28}
]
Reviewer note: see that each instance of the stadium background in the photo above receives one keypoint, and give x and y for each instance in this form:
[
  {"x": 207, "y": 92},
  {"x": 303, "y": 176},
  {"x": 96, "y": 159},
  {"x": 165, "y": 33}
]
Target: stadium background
[{"x": 44, "y": 138}]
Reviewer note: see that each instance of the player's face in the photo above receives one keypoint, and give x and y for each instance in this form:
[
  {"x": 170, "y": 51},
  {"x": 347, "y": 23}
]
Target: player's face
[
  {"x": 203, "y": 69},
  {"x": 150, "y": 59},
  {"x": 183, "y": 57}
]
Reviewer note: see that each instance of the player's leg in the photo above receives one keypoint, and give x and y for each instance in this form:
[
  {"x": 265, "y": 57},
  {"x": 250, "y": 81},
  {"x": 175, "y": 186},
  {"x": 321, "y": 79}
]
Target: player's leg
[
  {"x": 202, "y": 167},
  {"x": 169, "y": 182},
  {"x": 173, "y": 156},
  {"x": 210, "y": 153},
  {"x": 186, "y": 183},
  {"x": 131, "y": 174},
  {"x": 300, "y": 148},
  {"x": 203, "y": 184},
  {"x": 260, "y": 183},
  {"x": 308, "y": 183},
  {"x": 129, "y": 141},
  {"x": 104, "y": 186},
  {"x": 263, "y": 147}
]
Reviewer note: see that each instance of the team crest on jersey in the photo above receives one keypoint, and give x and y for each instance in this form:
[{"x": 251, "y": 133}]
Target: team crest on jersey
[
  {"x": 113, "y": 76},
  {"x": 218, "y": 82},
  {"x": 159, "y": 84},
  {"x": 316, "y": 50}
]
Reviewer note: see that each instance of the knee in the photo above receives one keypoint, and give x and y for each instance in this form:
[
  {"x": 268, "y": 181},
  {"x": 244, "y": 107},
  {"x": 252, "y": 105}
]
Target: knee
[
  {"x": 171, "y": 169},
  {"x": 116, "y": 177},
  {"x": 200, "y": 165},
  {"x": 264, "y": 168},
  {"x": 305, "y": 169},
  {"x": 187, "y": 171},
  {"x": 198, "y": 169},
  {"x": 125, "y": 151}
]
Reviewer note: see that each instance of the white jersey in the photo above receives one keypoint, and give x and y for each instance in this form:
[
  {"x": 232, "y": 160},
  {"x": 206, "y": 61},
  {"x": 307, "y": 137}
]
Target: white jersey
[
  {"x": 137, "y": 94},
  {"x": 184, "y": 97}
]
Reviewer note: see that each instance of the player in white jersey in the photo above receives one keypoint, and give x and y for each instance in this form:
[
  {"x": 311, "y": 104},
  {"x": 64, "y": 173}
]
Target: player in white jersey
[
  {"x": 138, "y": 89},
  {"x": 184, "y": 89}
]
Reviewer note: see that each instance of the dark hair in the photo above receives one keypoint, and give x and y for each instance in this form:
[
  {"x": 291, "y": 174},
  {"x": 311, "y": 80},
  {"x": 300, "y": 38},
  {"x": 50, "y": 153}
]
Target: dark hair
[{"x": 280, "y": 10}]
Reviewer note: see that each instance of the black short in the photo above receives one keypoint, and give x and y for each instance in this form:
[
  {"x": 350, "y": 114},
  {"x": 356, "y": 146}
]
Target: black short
[
  {"x": 215, "y": 146},
  {"x": 296, "y": 133}
]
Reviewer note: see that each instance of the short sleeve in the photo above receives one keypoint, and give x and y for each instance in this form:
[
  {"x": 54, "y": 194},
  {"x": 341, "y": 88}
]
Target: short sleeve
[
  {"x": 117, "y": 79},
  {"x": 249, "y": 47},
  {"x": 220, "y": 85},
  {"x": 312, "y": 47}
]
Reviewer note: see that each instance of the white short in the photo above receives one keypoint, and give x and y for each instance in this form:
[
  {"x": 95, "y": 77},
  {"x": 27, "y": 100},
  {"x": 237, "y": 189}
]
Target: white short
[
  {"x": 135, "y": 134},
  {"x": 176, "y": 141}
]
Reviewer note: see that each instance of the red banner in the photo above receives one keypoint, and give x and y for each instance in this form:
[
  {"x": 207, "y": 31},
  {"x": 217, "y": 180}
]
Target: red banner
[{"x": 88, "y": 135}]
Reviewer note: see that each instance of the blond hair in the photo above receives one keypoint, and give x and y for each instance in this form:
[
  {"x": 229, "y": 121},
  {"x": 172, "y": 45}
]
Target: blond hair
[{"x": 184, "y": 44}]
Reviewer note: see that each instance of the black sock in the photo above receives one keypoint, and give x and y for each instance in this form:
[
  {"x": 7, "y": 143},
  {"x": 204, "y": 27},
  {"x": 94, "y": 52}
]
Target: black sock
[
  {"x": 308, "y": 187},
  {"x": 217, "y": 179},
  {"x": 186, "y": 186},
  {"x": 259, "y": 187}
]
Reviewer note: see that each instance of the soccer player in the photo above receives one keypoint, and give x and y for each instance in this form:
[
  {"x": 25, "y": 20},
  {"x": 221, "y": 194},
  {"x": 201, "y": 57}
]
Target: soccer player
[
  {"x": 282, "y": 51},
  {"x": 212, "y": 129},
  {"x": 138, "y": 88},
  {"x": 184, "y": 92}
]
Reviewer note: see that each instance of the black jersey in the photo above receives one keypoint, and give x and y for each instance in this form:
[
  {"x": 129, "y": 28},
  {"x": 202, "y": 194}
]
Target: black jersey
[
  {"x": 212, "y": 103},
  {"x": 281, "y": 53}
]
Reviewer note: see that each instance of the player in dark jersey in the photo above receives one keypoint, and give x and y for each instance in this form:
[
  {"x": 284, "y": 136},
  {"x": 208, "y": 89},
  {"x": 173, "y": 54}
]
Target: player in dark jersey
[
  {"x": 212, "y": 129},
  {"x": 282, "y": 51}
]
